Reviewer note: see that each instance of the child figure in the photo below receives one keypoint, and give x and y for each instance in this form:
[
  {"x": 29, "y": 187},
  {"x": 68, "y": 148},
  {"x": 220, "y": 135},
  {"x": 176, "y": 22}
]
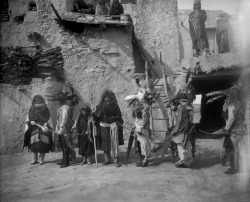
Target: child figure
[{"x": 84, "y": 130}]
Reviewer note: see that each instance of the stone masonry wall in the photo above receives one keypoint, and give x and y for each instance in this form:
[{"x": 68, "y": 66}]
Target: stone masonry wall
[{"x": 93, "y": 60}]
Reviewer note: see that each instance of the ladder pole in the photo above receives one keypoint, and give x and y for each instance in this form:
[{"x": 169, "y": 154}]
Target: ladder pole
[
  {"x": 146, "y": 71},
  {"x": 151, "y": 112}
]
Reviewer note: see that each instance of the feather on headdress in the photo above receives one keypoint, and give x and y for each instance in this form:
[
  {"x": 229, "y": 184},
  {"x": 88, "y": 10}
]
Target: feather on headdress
[
  {"x": 233, "y": 96},
  {"x": 68, "y": 93}
]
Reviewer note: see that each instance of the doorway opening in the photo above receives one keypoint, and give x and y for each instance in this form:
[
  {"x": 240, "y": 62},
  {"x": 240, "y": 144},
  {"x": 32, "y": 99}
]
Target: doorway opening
[{"x": 212, "y": 114}]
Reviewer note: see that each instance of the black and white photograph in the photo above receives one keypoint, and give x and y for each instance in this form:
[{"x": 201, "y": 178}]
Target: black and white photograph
[{"x": 124, "y": 100}]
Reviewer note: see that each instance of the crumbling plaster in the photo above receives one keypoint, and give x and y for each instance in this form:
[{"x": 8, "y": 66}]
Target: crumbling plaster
[{"x": 93, "y": 60}]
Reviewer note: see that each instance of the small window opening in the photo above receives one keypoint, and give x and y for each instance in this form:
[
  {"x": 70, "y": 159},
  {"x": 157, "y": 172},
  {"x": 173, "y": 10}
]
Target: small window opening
[
  {"x": 19, "y": 19},
  {"x": 4, "y": 10},
  {"x": 32, "y": 6}
]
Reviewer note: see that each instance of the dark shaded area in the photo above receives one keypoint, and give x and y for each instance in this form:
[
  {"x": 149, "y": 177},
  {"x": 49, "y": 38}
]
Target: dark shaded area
[
  {"x": 212, "y": 114},
  {"x": 32, "y": 6},
  {"x": 18, "y": 68},
  {"x": 19, "y": 19},
  {"x": 206, "y": 159},
  {"x": 4, "y": 10}
]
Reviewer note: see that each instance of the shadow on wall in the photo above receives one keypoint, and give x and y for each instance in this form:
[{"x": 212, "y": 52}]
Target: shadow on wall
[{"x": 181, "y": 46}]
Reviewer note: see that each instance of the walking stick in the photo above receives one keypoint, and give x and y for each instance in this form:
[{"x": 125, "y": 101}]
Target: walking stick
[{"x": 94, "y": 134}]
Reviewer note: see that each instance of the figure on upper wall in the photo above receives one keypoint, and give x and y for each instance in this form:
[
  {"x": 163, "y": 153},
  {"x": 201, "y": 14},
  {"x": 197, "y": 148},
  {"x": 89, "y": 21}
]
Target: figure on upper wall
[
  {"x": 82, "y": 7},
  {"x": 197, "y": 29},
  {"x": 67, "y": 99},
  {"x": 38, "y": 136},
  {"x": 116, "y": 8},
  {"x": 224, "y": 36},
  {"x": 108, "y": 120},
  {"x": 101, "y": 8}
]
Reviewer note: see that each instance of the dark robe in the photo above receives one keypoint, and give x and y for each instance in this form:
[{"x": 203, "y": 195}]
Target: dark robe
[
  {"x": 197, "y": 29},
  {"x": 83, "y": 128},
  {"x": 116, "y": 10},
  {"x": 35, "y": 139},
  {"x": 224, "y": 36},
  {"x": 108, "y": 116},
  {"x": 81, "y": 6}
]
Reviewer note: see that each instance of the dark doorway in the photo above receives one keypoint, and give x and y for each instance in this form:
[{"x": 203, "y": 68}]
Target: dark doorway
[{"x": 212, "y": 114}]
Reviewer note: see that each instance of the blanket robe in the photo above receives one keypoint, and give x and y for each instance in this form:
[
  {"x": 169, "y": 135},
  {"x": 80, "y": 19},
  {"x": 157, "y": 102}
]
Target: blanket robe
[
  {"x": 84, "y": 129},
  {"x": 197, "y": 29},
  {"x": 35, "y": 139},
  {"x": 109, "y": 117},
  {"x": 224, "y": 37}
]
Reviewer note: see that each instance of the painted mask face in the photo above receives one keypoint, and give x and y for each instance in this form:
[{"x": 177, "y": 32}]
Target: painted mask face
[
  {"x": 107, "y": 100},
  {"x": 141, "y": 93},
  {"x": 84, "y": 112},
  {"x": 38, "y": 99}
]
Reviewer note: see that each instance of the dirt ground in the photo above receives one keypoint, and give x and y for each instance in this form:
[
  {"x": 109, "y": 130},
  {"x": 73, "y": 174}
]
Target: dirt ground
[{"x": 160, "y": 181}]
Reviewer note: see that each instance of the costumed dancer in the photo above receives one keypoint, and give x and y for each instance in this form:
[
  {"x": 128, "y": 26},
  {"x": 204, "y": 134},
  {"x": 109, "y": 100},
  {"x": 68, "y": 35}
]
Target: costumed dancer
[
  {"x": 181, "y": 133},
  {"x": 84, "y": 130},
  {"x": 233, "y": 141},
  {"x": 140, "y": 104},
  {"x": 38, "y": 136},
  {"x": 108, "y": 120},
  {"x": 197, "y": 29},
  {"x": 67, "y": 99}
]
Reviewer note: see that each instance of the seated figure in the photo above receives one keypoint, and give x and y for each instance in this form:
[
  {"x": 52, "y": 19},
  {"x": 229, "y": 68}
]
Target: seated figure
[
  {"x": 81, "y": 7},
  {"x": 116, "y": 8},
  {"x": 101, "y": 8}
]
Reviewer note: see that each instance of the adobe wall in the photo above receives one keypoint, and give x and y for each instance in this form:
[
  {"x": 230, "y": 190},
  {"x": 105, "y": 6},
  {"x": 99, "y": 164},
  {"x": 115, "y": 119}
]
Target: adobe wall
[
  {"x": 15, "y": 102},
  {"x": 156, "y": 27},
  {"x": 93, "y": 60}
]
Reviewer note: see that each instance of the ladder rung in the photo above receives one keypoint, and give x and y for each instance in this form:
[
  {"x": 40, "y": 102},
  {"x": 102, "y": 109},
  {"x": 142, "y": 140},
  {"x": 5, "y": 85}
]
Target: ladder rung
[
  {"x": 159, "y": 85},
  {"x": 163, "y": 96},
  {"x": 160, "y": 131},
  {"x": 160, "y": 118}
]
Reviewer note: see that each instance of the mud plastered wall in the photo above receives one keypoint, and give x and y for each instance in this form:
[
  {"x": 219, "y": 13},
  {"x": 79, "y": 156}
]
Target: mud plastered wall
[
  {"x": 156, "y": 27},
  {"x": 93, "y": 60},
  {"x": 15, "y": 103}
]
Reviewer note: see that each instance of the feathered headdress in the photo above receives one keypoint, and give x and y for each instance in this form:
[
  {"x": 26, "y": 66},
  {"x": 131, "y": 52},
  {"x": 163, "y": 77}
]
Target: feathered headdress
[
  {"x": 145, "y": 93},
  {"x": 233, "y": 96},
  {"x": 68, "y": 93}
]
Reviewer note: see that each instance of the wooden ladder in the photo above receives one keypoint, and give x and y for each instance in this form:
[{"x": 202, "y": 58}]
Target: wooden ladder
[{"x": 162, "y": 89}]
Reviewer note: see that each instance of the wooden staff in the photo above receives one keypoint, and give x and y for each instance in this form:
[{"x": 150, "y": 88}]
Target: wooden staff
[{"x": 94, "y": 134}]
